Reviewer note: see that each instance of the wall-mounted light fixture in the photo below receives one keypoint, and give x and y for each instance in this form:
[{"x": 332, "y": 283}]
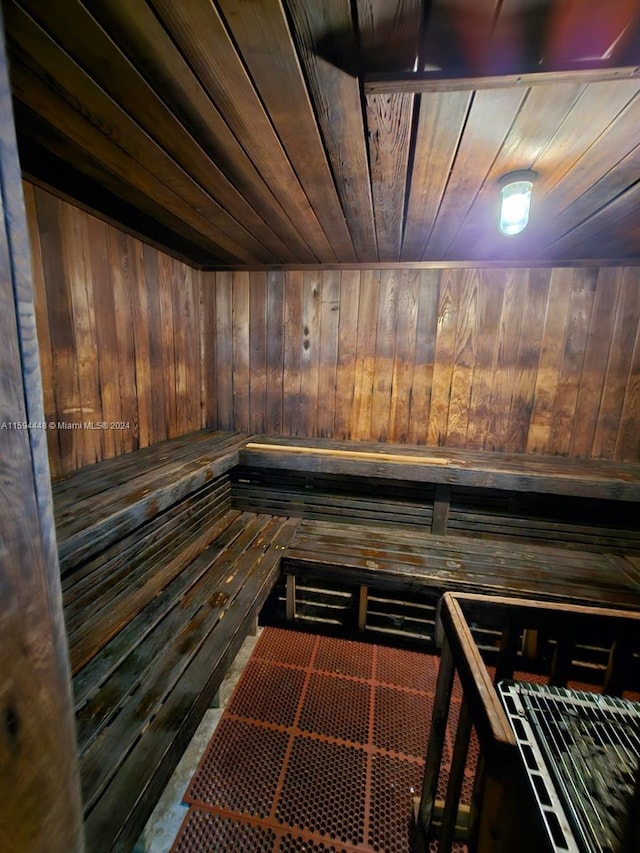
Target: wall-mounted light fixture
[{"x": 516, "y": 200}]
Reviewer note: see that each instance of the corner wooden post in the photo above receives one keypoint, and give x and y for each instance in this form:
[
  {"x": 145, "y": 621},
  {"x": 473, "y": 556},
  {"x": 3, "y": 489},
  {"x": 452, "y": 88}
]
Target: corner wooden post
[{"x": 40, "y": 806}]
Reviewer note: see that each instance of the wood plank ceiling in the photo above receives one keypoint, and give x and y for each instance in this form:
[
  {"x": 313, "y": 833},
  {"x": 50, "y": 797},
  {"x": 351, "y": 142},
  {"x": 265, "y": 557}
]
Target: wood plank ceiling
[{"x": 249, "y": 132}]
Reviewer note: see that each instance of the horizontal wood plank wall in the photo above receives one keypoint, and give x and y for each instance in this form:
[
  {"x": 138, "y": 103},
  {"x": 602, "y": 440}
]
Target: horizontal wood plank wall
[
  {"x": 519, "y": 360},
  {"x": 119, "y": 330}
]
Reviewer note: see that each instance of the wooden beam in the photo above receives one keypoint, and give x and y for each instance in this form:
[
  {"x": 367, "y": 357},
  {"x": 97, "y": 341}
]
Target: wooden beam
[
  {"x": 39, "y": 790},
  {"x": 476, "y": 264},
  {"x": 411, "y": 82}
]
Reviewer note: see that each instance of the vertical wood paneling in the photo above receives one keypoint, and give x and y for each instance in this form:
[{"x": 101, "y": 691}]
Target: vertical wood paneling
[
  {"x": 489, "y": 359},
  {"x": 329, "y": 323},
  {"x": 119, "y": 327},
  {"x": 168, "y": 343},
  {"x": 488, "y": 313},
  {"x": 191, "y": 321},
  {"x": 550, "y": 361},
  {"x": 620, "y": 355},
  {"x": 464, "y": 357},
  {"x": 427, "y": 322},
  {"x": 258, "y": 350},
  {"x": 608, "y": 287},
  {"x": 385, "y": 352},
  {"x": 310, "y": 358},
  {"x": 275, "y": 352},
  {"x": 106, "y": 335},
  {"x": 293, "y": 344},
  {"x": 580, "y": 306},
  {"x": 443, "y": 365},
  {"x": 120, "y": 277},
  {"x": 363, "y": 391},
  {"x": 404, "y": 357},
  {"x": 628, "y": 442},
  {"x": 505, "y": 370},
  {"x": 347, "y": 341},
  {"x": 535, "y": 284},
  {"x": 223, "y": 283},
  {"x": 521, "y": 360},
  {"x": 241, "y": 364},
  {"x": 60, "y": 322},
  {"x": 209, "y": 355},
  {"x": 44, "y": 335}
]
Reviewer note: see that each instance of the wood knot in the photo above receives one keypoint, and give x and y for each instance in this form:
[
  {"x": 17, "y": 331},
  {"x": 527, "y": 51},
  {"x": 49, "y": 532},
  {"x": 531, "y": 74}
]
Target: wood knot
[{"x": 218, "y": 599}]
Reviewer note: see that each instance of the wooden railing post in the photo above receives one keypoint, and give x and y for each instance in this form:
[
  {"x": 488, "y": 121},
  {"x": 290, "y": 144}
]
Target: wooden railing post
[{"x": 437, "y": 734}]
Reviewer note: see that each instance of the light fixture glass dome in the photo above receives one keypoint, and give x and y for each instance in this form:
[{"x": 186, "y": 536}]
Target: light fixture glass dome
[{"x": 516, "y": 200}]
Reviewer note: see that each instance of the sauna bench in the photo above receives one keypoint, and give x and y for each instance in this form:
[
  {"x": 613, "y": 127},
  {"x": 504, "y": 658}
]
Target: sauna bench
[
  {"x": 162, "y": 581},
  {"x": 410, "y": 561},
  {"x": 579, "y": 504}
]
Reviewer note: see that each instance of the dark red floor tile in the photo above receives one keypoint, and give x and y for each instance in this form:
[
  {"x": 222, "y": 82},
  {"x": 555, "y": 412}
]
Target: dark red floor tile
[
  {"x": 241, "y": 768},
  {"x": 337, "y": 707},
  {"x": 324, "y": 790},
  {"x": 268, "y": 692},
  {"x": 344, "y": 657},
  {"x": 289, "y": 647},
  {"x": 205, "y": 832},
  {"x": 407, "y": 669},
  {"x": 293, "y": 843},
  {"x": 402, "y": 721},
  {"x": 394, "y": 783}
]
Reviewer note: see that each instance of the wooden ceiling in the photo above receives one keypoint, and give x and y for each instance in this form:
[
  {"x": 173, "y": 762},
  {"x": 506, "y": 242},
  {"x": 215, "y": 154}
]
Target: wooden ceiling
[{"x": 248, "y": 132}]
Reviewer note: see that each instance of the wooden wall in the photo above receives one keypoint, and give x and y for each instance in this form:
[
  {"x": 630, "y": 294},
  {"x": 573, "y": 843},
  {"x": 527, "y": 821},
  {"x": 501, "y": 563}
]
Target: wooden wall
[
  {"x": 531, "y": 360},
  {"x": 119, "y": 335}
]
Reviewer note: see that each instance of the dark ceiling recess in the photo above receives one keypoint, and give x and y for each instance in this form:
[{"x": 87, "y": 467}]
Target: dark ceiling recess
[{"x": 289, "y": 132}]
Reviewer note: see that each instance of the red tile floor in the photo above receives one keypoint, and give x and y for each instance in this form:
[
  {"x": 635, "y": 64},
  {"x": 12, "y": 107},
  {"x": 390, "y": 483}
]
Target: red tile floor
[{"x": 321, "y": 748}]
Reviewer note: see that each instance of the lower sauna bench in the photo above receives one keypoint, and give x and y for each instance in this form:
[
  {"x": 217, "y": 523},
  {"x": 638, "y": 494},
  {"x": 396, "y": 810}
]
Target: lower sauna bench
[
  {"x": 373, "y": 568},
  {"x": 160, "y": 587}
]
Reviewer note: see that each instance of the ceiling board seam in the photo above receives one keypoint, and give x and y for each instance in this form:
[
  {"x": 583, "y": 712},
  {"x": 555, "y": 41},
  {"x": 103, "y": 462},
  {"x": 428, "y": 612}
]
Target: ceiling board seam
[
  {"x": 219, "y": 173},
  {"x": 202, "y": 85},
  {"x": 598, "y": 211},
  {"x": 549, "y": 225},
  {"x": 566, "y": 119},
  {"x": 137, "y": 129},
  {"x": 353, "y": 4},
  {"x": 451, "y": 169},
  {"x": 523, "y": 101},
  {"x": 267, "y": 114},
  {"x": 223, "y": 138}
]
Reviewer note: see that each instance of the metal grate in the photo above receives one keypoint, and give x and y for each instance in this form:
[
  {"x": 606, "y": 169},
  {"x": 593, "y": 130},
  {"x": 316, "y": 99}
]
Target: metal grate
[{"x": 581, "y": 752}]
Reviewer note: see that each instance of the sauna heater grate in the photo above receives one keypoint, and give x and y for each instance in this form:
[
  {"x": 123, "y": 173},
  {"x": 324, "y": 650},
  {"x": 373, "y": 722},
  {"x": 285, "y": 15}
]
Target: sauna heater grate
[{"x": 581, "y": 753}]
